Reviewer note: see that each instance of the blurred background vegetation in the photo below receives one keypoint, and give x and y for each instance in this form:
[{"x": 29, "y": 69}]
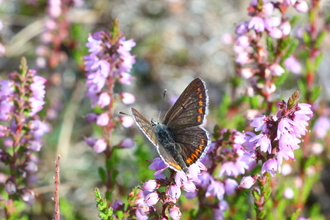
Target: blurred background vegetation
[{"x": 176, "y": 40}]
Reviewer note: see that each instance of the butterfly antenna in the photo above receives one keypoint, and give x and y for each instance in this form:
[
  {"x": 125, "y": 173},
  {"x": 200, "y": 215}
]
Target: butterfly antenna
[
  {"x": 123, "y": 113},
  {"x": 161, "y": 106}
]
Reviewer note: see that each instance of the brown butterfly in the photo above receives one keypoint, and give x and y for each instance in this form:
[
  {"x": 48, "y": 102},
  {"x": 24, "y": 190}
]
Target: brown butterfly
[{"x": 180, "y": 140}]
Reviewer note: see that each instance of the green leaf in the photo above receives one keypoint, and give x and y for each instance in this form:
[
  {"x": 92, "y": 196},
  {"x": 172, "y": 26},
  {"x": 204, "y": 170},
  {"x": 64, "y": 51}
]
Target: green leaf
[
  {"x": 256, "y": 194},
  {"x": 291, "y": 48},
  {"x": 296, "y": 214},
  {"x": 270, "y": 48},
  {"x": 316, "y": 93},
  {"x": 285, "y": 43},
  {"x": 318, "y": 60},
  {"x": 320, "y": 38},
  {"x": 306, "y": 38},
  {"x": 281, "y": 79},
  {"x": 102, "y": 174},
  {"x": 302, "y": 87},
  {"x": 255, "y": 102},
  {"x": 262, "y": 214},
  {"x": 294, "y": 20}
]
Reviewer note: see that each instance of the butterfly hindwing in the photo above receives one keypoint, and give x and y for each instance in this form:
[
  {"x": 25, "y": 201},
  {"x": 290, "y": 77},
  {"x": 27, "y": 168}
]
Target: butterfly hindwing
[{"x": 194, "y": 142}]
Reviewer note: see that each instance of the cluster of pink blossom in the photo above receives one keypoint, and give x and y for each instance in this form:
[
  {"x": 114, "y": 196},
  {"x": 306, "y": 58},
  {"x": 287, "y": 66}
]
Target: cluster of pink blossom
[
  {"x": 109, "y": 61},
  {"x": 21, "y": 98},
  {"x": 277, "y": 137},
  {"x": 252, "y": 56}
]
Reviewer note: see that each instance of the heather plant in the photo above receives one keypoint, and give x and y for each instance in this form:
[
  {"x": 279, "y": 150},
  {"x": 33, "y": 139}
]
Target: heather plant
[
  {"x": 21, "y": 98},
  {"x": 268, "y": 149}
]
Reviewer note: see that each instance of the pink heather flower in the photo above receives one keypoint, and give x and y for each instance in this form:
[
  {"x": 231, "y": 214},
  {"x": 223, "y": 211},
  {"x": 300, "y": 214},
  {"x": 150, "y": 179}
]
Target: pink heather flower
[
  {"x": 118, "y": 205},
  {"x": 3, "y": 130},
  {"x": 263, "y": 142},
  {"x": 229, "y": 168},
  {"x": 39, "y": 129},
  {"x": 268, "y": 8},
  {"x": 204, "y": 179},
  {"x": 103, "y": 119},
  {"x": 303, "y": 218},
  {"x": 270, "y": 166},
  {"x": 243, "y": 41},
  {"x": 286, "y": 27},
  {"x": 125, "y": 56},
  {"x": 191, "y": 195},
  {"x": 94, "y": 43},
  {"x": 227, "y": 39},
  {"x": 242, "y": 28},
  {"x": 301, "y": 6},
  {"x": 275, "y": 33},
  {"x": 127, "y": 98},
  {"x": 38, "y": 93},
  {"x": 54, "y": 8},
  {"x": 219, "y": 212},
  {"x": 259, "y": 123},
  {"x": 126, "y": 143},
  {"x": 195, "y": 170},
  {"x": 158, "y": 165},
  {"x": 2, "y": 50},
  {"x": 247, "y": 182},
  {"x": 91, "y": 117},
  {"x": 104, "y": 99},
  {"x": 242, "y": 58},
  {"x": 6, "y": 104},
  {"x": 215, "y": 188},
  {"x": 276, "y": 69},
  {"x": 288, "y": 193},
  {"x": 31, "y": 167},
  {"x": 290, "y": 2},
  {"x": 174, "y": 192},
  {"x": 175, "y": 212},
  {"x": 100, "y": 145},
  {"x": 127, "y": 121},
  {"x": 247, "y": 73},
  {"x": 272, "y": 22},
  {"x": 27, "y": 196},
  {"x": 34, "y": 145},
  {"x": 286, "y": 169},
  {"x": 125, "y": 78},
  {"x": 182, "y": 180},
  {"x": 321, "y": 127},
  {"x": 151, "y": 199},
  {"x": 151, "y": 185},
  {"x": 10, "y": 187},
  {"x": 257, "y": 24},
  {"x": 230, "y": 186}
]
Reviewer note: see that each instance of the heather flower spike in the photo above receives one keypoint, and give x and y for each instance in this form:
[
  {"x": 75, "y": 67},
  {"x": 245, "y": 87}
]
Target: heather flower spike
[{"x": 21, "y": 98}]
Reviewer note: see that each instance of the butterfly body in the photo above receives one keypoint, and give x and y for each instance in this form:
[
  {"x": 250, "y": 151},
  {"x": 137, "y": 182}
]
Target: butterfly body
[{"x": 179, "y": 139}]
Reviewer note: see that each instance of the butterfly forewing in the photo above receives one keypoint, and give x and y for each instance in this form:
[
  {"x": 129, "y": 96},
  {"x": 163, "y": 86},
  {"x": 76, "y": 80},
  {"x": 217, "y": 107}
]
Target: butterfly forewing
[
  {"x": 190, "y": 108},
  {"x": 145, "y": 126}
]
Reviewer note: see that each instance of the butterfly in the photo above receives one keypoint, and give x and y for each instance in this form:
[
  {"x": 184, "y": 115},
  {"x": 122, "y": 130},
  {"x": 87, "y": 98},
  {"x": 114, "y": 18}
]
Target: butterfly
[{"x": 180, "y": 140}]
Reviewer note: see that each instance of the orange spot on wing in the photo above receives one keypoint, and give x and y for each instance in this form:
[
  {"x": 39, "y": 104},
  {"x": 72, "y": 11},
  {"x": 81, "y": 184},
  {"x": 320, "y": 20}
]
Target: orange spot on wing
[
  {"x": 199, "y": 118},
  {"x": 200, "y": 110},
  {"x": 199, "y": 89},
  {"x": 176, "y": 166},
  {"x": 200, "y": 103},
  {"x": 200, "y": 96}
]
